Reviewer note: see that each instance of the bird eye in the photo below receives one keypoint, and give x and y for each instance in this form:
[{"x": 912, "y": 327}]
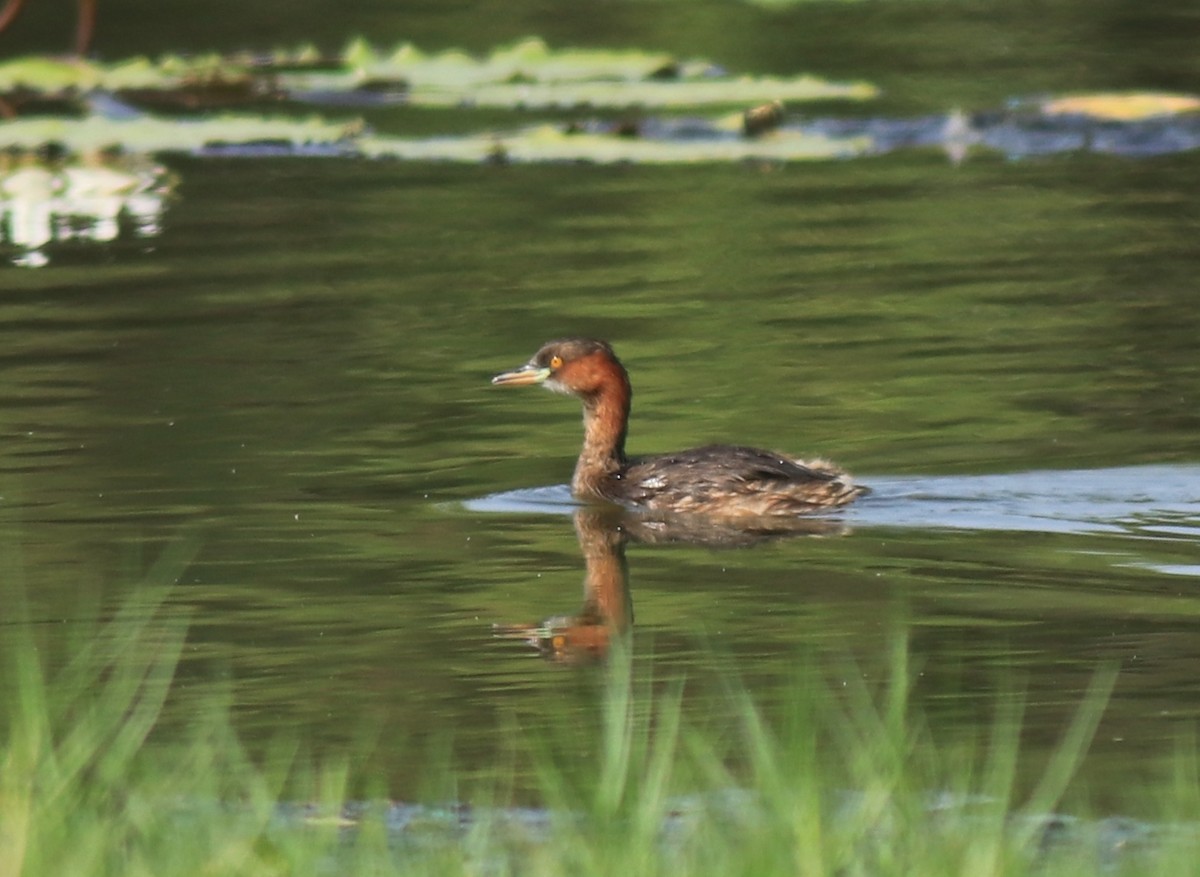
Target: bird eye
[{"x": 556, "y": 362}]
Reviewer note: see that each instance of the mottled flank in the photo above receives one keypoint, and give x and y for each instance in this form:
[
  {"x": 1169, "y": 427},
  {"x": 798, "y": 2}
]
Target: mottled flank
[
  {"x": 715, "y": 480},
  {"x": 734, "y": 480}
]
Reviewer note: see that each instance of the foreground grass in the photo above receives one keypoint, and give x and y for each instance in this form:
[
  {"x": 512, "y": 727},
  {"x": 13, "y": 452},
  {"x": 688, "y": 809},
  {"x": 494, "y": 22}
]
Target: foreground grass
[{"x": 847, "y": 784}]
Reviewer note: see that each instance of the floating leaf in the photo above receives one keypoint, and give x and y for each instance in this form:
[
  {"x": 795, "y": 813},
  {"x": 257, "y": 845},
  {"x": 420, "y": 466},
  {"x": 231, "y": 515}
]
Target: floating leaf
[
  {"x": 647, "y": 93},
  {"x": 47, "y": 74},
  {"x": 550, "y": 143},
  {"x": 152, "y": 134},
  {"x": 530, "y": 74},
  {"x": 1122, "y": 107},
  {"x": 527, "y": 74}
]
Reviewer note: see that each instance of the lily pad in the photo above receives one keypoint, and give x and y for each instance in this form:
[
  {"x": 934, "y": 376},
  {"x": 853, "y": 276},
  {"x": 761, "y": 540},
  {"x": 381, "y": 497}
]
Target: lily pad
[
  {"x": 551, "y": 143},
  {"x": 531, "y": 74},
  {"x": 153, "y": 134},
  {"x": 527, "y": 74},
  {"x": 1122, "y": 107}
]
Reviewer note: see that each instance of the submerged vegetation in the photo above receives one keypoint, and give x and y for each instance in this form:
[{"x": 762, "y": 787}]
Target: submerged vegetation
[{"x": 849, "y": 781}]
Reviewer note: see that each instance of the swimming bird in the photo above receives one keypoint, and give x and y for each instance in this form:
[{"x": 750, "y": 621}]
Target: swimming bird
[{"x": 728, "y": 481}]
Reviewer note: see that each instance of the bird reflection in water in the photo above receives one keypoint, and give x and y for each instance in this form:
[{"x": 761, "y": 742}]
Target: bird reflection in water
[{"x": 607, "y": 612}]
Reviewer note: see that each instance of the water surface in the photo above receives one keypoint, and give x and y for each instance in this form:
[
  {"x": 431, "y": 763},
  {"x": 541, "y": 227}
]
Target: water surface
[{"x": 293, "y": 376}]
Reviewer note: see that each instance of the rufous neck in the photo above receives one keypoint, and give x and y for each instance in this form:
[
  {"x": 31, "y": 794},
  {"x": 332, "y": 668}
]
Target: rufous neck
[{"x": 605, "y": 423}]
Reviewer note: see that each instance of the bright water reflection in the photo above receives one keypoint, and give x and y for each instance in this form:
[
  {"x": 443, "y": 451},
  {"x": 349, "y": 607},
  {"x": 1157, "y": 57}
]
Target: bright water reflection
[
  {"x": 48, "y": 199},
  {"x": 300, "y": 383}
]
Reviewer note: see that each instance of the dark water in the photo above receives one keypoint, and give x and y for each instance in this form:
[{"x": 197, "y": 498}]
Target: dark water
[{"x": 293, "y": 377}]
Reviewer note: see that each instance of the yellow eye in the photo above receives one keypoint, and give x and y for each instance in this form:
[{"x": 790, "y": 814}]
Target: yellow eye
[{"x": 556, "y": 362}]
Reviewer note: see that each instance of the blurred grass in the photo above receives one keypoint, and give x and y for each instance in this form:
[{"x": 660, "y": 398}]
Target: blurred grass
[{"x": 848, "y": 782}]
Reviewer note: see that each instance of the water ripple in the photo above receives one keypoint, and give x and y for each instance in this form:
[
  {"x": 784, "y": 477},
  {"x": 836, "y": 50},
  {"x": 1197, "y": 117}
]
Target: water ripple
[{"x": 1160, "y": 502}]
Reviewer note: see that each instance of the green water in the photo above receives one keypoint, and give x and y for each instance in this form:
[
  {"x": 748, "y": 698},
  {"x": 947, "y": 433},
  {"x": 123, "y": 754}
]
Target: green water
[
  {"x": 297, "y": 378},
  {"x": 294, "y": 377}
]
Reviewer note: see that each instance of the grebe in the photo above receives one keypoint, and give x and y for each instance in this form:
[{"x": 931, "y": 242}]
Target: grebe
[{"x": 716, "y": 480}]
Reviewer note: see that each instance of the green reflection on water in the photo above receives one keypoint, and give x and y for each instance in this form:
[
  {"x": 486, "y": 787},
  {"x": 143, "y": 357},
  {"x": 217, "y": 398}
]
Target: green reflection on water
[{"x": 300, "y": 370}]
